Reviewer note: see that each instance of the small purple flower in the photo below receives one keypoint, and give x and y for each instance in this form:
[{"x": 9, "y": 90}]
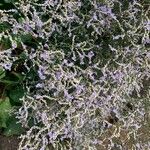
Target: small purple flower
[
  {"x": 146, "y": 40},
  {"x": 27, "y": 27},
  {"x": 90, "y": 55},
  {"x": 108, "y": 11},
  {"x": 52, "y": 136},
  {"x": 67, "y": 95},
  {"x": 103, "y": 8},
  {"x": 81, "y": 56},
  {"x": 7, "y": 66},
  {"x": 147, "y": 25},
  {"x": 38, "y": 96},
  {"x": 70, "y": 64},
  {"x": 79, "y": 89},
  {"x": 41, "y": 73},
  {"x": 58, "y": 75},
  {"x": 95, "y": 141},
  {"x": 94, "y": 16},
  {"x": 117, "y": 76},
  {"x": 39, "y": 85},
  {"x": 44, "y": 55}
]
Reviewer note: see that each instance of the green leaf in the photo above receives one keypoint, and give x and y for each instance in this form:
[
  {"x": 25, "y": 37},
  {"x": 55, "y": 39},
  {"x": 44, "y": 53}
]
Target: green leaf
[
  {"x": 16, "y": 93},
  {"x": 9, "y": 82},
  {"x": 13, "y": 127},
  {"x": 8, "y": 1},
  {"x": 23, "y": 56},
  {"x": 2, "y": 73},
  {"x": 29, "y": 40},
  {"x": 5, "y": 43},
  {"x": 19, "y": 76},
  {"x": 5, "y": 108},
  {"x": 4, "y": 26}
]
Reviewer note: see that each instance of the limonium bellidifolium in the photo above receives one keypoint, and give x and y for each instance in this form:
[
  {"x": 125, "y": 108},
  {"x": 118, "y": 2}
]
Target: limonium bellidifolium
[{"x": 88, "y": 72}]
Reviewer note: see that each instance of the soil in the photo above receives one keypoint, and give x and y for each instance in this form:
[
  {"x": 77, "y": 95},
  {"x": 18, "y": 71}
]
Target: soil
[{"x": 9, "y": 143}]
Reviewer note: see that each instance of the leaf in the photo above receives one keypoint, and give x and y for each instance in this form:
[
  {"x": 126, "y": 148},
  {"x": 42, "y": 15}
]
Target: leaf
[
  {"x": 9, "y": 82},
  {"x": 12, "y": 78},
  {"x": 13, "y": 127},
  {"x": 5, "y": 43},
  {"x": 4, "y": 26},
  {"x": 29, "y": 40},
  {"x": 16, "y": 93},
  {"x": 5, "y": 108},
  {"x": 8, "y": 1},
  {"x": 19, "y": 76},
  {"x": 2, "y": 73}
]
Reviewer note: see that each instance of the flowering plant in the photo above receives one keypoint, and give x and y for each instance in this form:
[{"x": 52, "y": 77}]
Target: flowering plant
[{"x": 85, "y": 69}]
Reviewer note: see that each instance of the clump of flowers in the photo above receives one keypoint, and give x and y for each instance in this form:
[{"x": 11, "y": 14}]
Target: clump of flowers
[{"x": 90, "y": 61}]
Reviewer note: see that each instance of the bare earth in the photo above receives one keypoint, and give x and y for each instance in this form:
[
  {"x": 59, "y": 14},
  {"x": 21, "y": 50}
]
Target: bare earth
[{"x": 8, "y": 143}]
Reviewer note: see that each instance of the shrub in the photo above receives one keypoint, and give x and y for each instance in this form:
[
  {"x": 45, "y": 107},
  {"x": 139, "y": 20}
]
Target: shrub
[{"x": 83, "y": 65}]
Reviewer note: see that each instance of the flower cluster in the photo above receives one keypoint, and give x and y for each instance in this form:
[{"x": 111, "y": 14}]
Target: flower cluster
[{"x": 92, "y": 61}]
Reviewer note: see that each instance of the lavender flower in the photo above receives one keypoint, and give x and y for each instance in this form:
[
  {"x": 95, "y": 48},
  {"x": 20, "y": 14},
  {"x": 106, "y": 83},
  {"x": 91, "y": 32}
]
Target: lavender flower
[
  {"x": 44, "y": 55},
  {"x": 58, "y": 75},
  {"x": 147, "y": 25},
  {"x": 108, "y": 11},
  {"x": 7, "y": 66},
  {"x": 41, "y": 74},
  {"x": 90, "y": 55},
  {"x": 52, "y": 136}
]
